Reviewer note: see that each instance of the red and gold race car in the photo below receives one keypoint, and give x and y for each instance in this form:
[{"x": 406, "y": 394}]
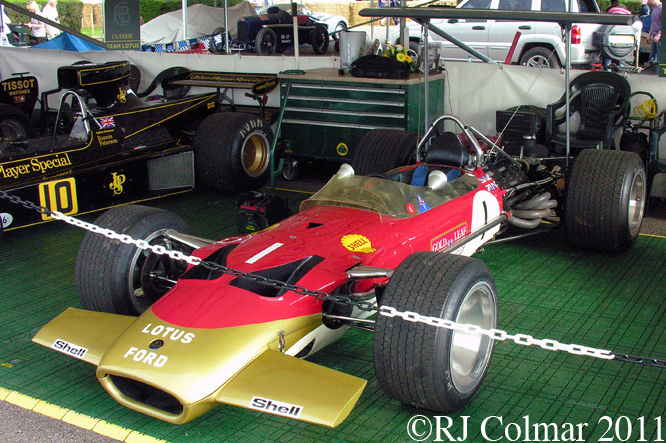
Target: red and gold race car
[{"x": 388, "y": 252}]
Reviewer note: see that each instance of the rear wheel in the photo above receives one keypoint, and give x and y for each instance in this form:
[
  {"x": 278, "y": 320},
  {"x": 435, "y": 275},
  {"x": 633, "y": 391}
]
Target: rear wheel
[
  {"x": 320, "y": 39},
  {"x": 540, "y": 57},
  {"x": 232, "y": 151},
  {"x": 423, "y": 365},
  {"x": 605, "y": 200},
  {"x": 14, "y": 126},
  {"x": 381, "y": 150},
  {"x": 115, "y": 277},
  {"x": 266, "y": 42}
]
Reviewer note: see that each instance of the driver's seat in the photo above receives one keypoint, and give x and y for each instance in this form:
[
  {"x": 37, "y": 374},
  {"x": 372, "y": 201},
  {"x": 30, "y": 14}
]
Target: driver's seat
[{"x": 447, "y": 149}]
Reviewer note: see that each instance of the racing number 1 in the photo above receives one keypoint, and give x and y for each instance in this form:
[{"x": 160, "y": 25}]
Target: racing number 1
[{"x": 59, "y": 196}]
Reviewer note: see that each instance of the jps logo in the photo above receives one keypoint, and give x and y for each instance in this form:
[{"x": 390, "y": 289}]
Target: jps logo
[
  {"x": 116, "y": 184},
  {"x": 122, "y": 95}
]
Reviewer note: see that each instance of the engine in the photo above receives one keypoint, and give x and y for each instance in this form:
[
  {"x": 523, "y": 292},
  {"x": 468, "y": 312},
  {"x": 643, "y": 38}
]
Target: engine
[{"x": 532, "y": 192}]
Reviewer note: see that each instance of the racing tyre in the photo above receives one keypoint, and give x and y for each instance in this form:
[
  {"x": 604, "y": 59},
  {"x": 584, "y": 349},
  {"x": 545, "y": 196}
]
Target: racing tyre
[
  {"x": 14, "y": 125},
  {"x": 320, "y": 39},
  {"x": 266, "y": 42},
  {"x": 540, "y": 57},
  {"x": 232, "y": 151},
  {"x": 341, "y": 26},
  {"x": 426, "y": 366},
  {"x": 220, "y": 46},
  {"x": 119, "y": 278},
  {"x": 605, "y": 199},
  {"x": 381, "y": 150}
]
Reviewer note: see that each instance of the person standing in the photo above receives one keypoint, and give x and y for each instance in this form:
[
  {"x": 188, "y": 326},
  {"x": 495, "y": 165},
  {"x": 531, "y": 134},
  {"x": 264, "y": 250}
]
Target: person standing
[
  {"x": 37, "y": 28},
  {"x": 49, "y": 11},
  {"x": 654, "y": 39}
]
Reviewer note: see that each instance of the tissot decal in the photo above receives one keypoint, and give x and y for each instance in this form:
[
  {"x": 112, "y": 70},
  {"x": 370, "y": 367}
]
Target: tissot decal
[
  {"x": 15, "y": 87},
  {"x": 275, "y": 407},
  {"x": 168, "y": 332},
  {"x": 357, "y": 243},
  {"x": 69, "y": 348}
]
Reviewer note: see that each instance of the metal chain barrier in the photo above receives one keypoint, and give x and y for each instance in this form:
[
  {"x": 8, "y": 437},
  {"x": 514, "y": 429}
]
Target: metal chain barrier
[{"x": 494, "y": 334}]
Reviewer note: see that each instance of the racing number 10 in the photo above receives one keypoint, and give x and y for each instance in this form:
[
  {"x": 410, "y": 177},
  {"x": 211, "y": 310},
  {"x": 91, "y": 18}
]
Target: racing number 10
[{"x": 59, "y": 196}]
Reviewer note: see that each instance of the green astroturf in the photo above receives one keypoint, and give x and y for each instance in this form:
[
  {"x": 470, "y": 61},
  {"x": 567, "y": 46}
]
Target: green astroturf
[{"x": 547, "y": 288}]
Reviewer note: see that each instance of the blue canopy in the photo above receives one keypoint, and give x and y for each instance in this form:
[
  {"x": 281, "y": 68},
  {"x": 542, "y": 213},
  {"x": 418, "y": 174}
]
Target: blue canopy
[{"x": 68, "y": 42}]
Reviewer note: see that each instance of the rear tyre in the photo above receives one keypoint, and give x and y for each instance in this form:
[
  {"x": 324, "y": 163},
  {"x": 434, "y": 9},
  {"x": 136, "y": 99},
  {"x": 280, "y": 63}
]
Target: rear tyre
[
  {"x": 119, "y": 278},
  {"x": 426, "y": 366},
  {"x": 381, "y": 150},
  {"x": 605, "y": 200},
  {"x": 320, "y": 39},
  {"x": 540, "y": 57},
  {"x": 266, "y": 42},
  {"x": 232, "y": 151},
  {"x": 14, "y": 126}
]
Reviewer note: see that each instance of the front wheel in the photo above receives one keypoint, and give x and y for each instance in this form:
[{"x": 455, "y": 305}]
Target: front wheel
[
  {"x": 426, "y": 366},
  {"x": 341, "y": 26},
  {"x": 540, "y": 58},
  {"x": 319, "y": 39},
  {"x": 232, "y": 151},
  {"x": 266, "y": 42},
  {"x": 119, "y": 278},
  {"x": 605, "y": 199}
]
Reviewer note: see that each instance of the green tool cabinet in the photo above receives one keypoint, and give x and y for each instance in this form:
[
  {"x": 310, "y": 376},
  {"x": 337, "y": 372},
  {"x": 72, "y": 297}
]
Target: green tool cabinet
[{"x": 326, "y": 114}]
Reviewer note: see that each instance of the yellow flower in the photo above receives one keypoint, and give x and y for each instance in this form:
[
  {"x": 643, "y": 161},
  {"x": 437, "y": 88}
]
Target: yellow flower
[
  {"x": 401, "y": 57},
  {"x": 408, "y": 59}
]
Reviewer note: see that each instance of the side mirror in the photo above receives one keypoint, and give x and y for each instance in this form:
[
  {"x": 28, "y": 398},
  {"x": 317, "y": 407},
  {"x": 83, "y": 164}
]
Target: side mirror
[{"x": 437, "y": 180}]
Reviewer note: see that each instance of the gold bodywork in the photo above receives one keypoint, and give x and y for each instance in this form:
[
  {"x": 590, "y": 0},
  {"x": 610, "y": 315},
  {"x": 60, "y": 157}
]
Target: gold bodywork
[{"x": 199, "y": 368}]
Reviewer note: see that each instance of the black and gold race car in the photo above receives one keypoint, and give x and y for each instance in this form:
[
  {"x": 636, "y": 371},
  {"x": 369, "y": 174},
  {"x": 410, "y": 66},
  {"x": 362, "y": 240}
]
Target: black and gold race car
[{"x": 108, "y": 145}]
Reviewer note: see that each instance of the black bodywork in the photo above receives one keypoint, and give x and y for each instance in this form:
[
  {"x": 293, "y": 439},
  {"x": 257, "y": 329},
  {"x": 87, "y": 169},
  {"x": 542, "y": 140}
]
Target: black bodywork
[{"x": 106, "y": 146}]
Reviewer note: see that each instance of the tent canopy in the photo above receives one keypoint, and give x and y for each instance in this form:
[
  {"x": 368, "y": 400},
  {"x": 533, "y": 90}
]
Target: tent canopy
[
  {"x": 201, "y": 20},
  {"x": 69, "y": 42}
]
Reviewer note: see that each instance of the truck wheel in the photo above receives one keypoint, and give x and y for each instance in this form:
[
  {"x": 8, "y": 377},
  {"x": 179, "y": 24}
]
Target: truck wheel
[
  {"x": 540, "y": 57},
  {"x": 232, "y": 151},
  {"x": 266, "y": 42},
  {"x": 426, "y": 366},
  {"x": 319, "y": 39},
  {"x": 14, "y": 125},
  {"x": 381, "y": 150},
  {"x": 115, "y": 277},
  {"x": 605, "y": 199}
]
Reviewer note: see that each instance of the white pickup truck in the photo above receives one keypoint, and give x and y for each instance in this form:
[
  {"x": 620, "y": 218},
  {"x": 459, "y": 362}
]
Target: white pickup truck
[{"x": 540, "y": 43}]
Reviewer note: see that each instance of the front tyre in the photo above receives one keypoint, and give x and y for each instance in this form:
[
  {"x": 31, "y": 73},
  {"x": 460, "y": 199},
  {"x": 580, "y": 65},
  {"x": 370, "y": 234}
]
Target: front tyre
[
  {"x": 266, "y": 42},
  {"x": 319, "y": 39},
  {"x": 232, "y": 151},
  {"x": 119, "y": 278},
  {"x": 426, "y": 366},
  {"x": 605, "y": 199}
]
